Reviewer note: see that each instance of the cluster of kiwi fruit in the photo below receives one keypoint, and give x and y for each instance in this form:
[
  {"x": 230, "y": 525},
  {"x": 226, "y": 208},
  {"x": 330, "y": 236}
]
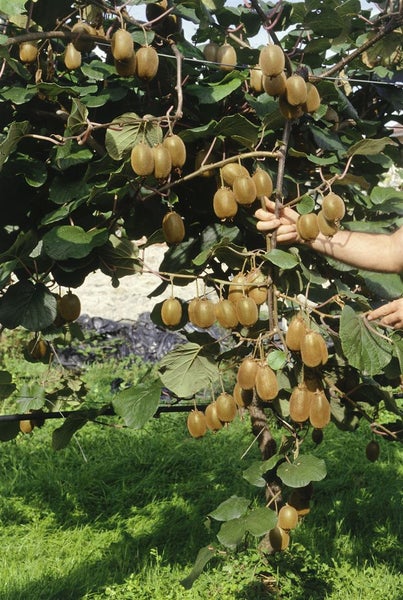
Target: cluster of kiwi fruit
[
  {"x": 164, "y": 25},
  {"x": 144, "y": 62},
  {"x": 224, "y": 55},
  {"x": 296, "y": 96},
  {"x": 220, "y": 412},
  {"x": 326, "y": 222},
  {"x": 239, "y": 188},
  {"x": 160, "y": 159}
]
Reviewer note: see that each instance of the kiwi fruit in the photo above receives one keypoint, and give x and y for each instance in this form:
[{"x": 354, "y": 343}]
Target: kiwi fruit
[
  {"x": 26, "y": 426},
  {"x": 313, "y": 349},
  {"x": 204, "y": 313},
  {"x": 126, "y": 68},
  {"x": 171, "y": 312},
  {"x": 237, "y": 287},
  {"x": 226, "y": 407},
  {"x": 256, "y": 79},
  {"x": 266, "y": 383},
  {"x": 296, "y": 92},
  {"x": 72, "y": 57},
  {"x": 247, "y": 311},
  {"x": 224, "y": 204},
  {"x": 70, "y": 307},
  {"x": 312, "y": 101},
  {"x": 287, "y": 517},
  {"x": 300, "y": 501},
  {"x": 246, "y": 374},
  {"x": 288, "y": 111},
  {"x": 192, "y": 310},
  {"x": 210, "y": 51},
  {"x": 28, "y": 52},
  {"x": 244, "y": 189},
  {"x": 81, "y": 44},
  {"x": 308, "y": 227},
  {"x": 226, "y": 57},
  {"x": 173, "y": 228},
  {"x": 295, "y": 332},
  {"x": 201, "y": 162},
  {"x": 279, "y": 539},
  {"x": 263, "y": 183},
  {"x": 232, "y": 170},
  {"x": 242, "y": 397},
  {"x": 37, "y": 349},
  {"x": 258, "y": 290},
  {"x": 176, "y": 148},
  {"x": 122, "y": 47},
  {"x": 274, "y": 86},
  {"x": 212, "y": 421},
  {"x": 142, "y": 159},
  {"x": 147, "y": 62},
  {"x": 271, "y": 60},
  {"x": 225, "y": 314},
  {"x": 300, "y": 403},
  {"x": 333, "y": 207},
  {"x": 162, "y": 161},
  {"x": 319, "y": 411},
  {"x": 196, "y": 423},
  {"x": 317, "y": 436},
  {"x": 372, "y": 450},
  {"x": 327, "y": 228}
]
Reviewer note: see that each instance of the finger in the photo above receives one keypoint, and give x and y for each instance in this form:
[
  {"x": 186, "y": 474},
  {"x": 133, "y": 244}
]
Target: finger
[
  {"x": 263, "y": 215},
  {"x": 267, "y": 225},
  {"x": 380, "y": 312}
]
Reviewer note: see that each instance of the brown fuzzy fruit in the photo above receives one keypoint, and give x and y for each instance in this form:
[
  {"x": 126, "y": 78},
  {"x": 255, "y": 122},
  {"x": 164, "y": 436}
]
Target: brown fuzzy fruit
[
  {"x": 313, "y": 349},
  {"x": 226, "y": 57},
  {"x": 122, "y": 47},
  {"x": 333, "y": 207},
  {"x": 312, "y": 101},
  {"x": 317, "y": 436},
  {"x": 176, "y": 148},
  {"x": 212, "y": 420},
  {"x": 307, "y": 226},
  {"x": 300, "y": 404},
  {"x": 319, "y": 411},
  {"x": 72, "y": 57},
  {"x": 81, "y": 44},
  {"x": 232, "y": 170},
  {"x": 126, "y": 68},
  {"x": 256, "y": 79},
  {"x": 69, "y": 307},
  {"x": 171, "y": 312},
  {"x": 210, "y": 51},
  {"x": 372, "y": 450},
  {"x": 242, "y": 397},
  {"x": 37, "y": 348},
  {"x": 288, "y": 110},
  {"x": 192, "y": 310},
  {"x": 296, "y": 92},
  {"x": 226, "y": 407},
  {"x": 26, "y": 426},
  {"x": 204, "y": 313},
  {"x": 279, "y": 539},
  {"x": 147, "y": 62},
  {"x": 287, "y": 517},
  {"x": 247, "y": 311},
  {"x": 247, "y": 373},
  {"x": 266, "y": 383},
  {"x": 226, "y": 314},
  {"x": 274, "y": 86},
  {"x": 173, "y": 228},
  {"x": 299, "y": 501},
  {"x": 196, "y": 423},
  {"x": 295, "y": 332},
  {"x": 142, "y": 159},
  {"x": 257, "y": 291},
  {"x": 263, "y": 183},
  {"x": 202, "y": 162},
  {"x": 271, "y": 60},
  {"x": 162, "y": 162},
  {"x": 224, "y": 204},
  {"x": 244, "y": 189},
  {"x": 327, "y": 228},
  {"x": 236, "y": 288},
  {"x": 28, "y": 52}
]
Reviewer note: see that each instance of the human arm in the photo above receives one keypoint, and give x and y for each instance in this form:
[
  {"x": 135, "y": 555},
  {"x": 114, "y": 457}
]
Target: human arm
[
  {"x": 390, "y": 314},
  {"x": 375, "y": 252}
]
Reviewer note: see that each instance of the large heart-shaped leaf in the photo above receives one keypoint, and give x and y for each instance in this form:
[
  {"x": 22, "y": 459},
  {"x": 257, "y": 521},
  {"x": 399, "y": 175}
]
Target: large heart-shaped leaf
[
  {"x": 137, "y": 404},
  {"x": 232, "y": 508},
  {"x": 27, "y": 304},
  {"x": 71, "y": 241},
  {"x": 303, "y": 470},
  {"x": 185, "y": 370}
]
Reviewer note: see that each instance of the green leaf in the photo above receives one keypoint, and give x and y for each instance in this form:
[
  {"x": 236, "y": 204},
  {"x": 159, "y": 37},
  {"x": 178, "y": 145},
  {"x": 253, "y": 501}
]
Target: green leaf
[
  {"x": 231, "y": 533},
  {"x": 230, "y": 509},
  {"x": 6, "y": 384},
  {"x": 185, "y": 370},
  {"x": 128, "y": 130},
  {"x": 305, "y": 469},
  {"x": 260, "y": 520},
  {"x": 387, "y": 286},
  {"x": 203, "y": 556},
  {"x": 281, "y": 258},
  {"x": 12, "y": 7},
  {"x": 119, "y": 257},
  {"x": 32, "y": 397},
  {"x": 62, "y": 191},
  {"x": 326, "y": 140},
  {"x": 62, "y": 435},
  {"x": 9, "y": 430},
  {"x": 276, "y": 359},
  {"x": 71, "y": 154},
  {"x": 363, "y": 347},
  {"x": 370, "y": 147},
  {"x": 27, "y": 304},
  {"x": 387, "y": 199},
  {"x": 33, "y": 171},
  {"x": 15, "y": 132},
  {"x": 306, "y": 204},
  {"x": 253, "y": 474},
  {"x": 215, "y": 92},
  {"x": 77, "y": 121},
  {"x": 71, "y": 241},
  {"x": 137, "y": 404}
]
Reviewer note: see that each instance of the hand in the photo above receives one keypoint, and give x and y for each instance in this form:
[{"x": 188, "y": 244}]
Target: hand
[
  {"x": 390, "y": 314},
  {"x": 285, "y": 224}
]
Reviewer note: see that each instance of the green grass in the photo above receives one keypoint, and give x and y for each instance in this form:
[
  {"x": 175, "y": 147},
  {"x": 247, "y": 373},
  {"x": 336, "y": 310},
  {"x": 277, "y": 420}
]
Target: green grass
[{"x": 121, "y": 514}]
